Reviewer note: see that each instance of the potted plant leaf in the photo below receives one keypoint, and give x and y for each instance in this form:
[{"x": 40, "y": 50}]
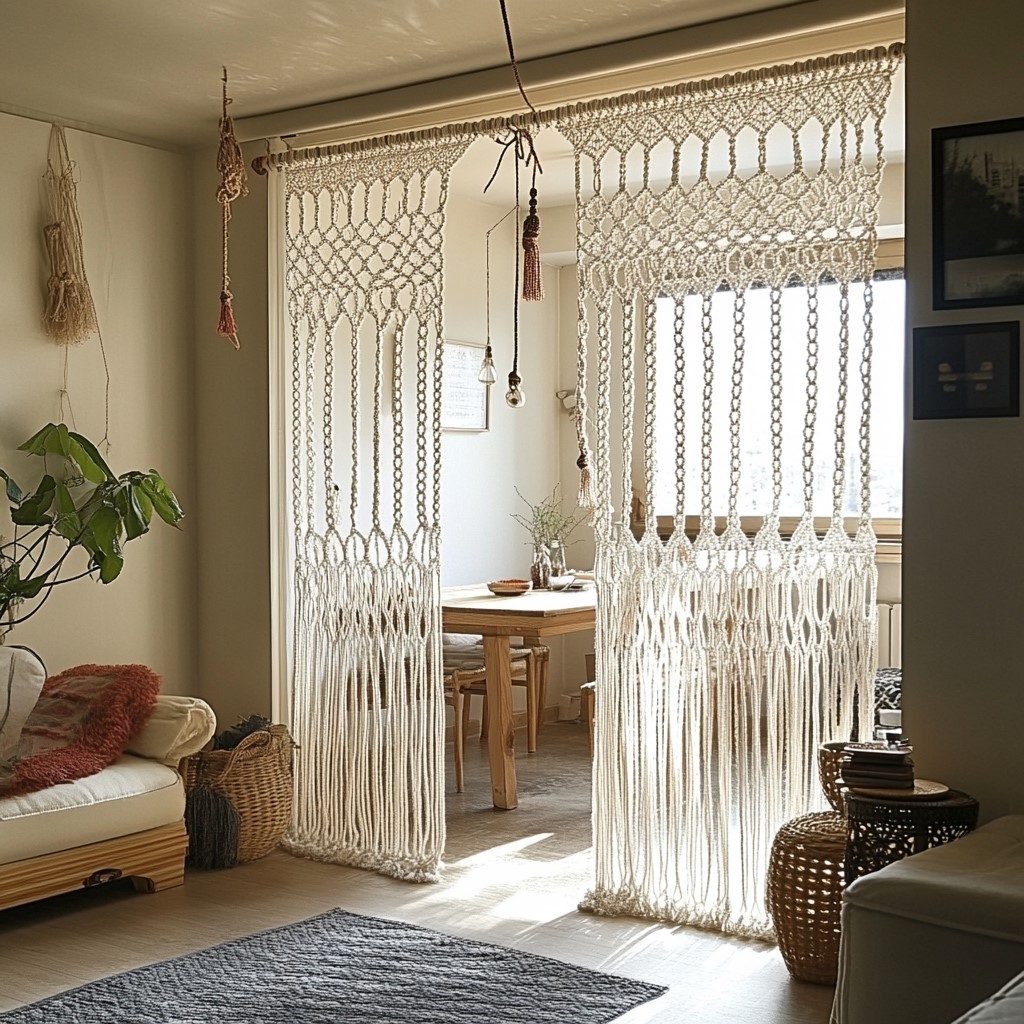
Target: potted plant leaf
[{"x": 78, "y": 503}]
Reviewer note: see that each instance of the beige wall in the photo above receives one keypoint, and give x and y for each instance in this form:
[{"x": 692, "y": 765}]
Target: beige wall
[
  {"x": 232, "y": 452},
  {"x": 134, "y": 202},
  {"x": 963, "y": 568},
  {"x": 481, "y": 471}
]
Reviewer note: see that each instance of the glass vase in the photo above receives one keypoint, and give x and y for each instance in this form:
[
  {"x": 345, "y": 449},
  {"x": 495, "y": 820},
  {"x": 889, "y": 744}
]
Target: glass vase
[
  {"x": 540, "y": 569},
  {"x": 557, "y": 556}
]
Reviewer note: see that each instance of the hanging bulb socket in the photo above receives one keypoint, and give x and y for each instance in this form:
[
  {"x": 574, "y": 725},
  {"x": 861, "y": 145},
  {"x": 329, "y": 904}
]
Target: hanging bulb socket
[
  {"x": 515, "y": 398},
  {"x": 487, "y": 374}
]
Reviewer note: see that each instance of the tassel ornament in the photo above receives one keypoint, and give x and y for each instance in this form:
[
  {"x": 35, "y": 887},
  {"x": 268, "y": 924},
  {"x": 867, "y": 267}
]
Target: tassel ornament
[
  {"x": 533, "y": 284},
  {"x": 586, "y": 497}
]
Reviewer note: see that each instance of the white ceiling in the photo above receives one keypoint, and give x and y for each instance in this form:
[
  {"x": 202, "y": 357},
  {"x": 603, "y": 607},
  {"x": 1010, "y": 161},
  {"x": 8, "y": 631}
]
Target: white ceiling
[{"x": 151, "y": 69}]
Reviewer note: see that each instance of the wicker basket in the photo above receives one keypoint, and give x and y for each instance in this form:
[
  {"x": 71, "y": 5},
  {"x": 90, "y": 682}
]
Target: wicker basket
[
  {"x": 256, "y": 777},
  {"x": 804, "y": 898},
  {"x": 830, "y": 773}
]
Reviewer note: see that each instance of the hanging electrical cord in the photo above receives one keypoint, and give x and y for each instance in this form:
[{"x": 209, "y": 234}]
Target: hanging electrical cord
[
  {"x": 487, "y": 374},
  {"x": 533, "y": 285},
  {"x": 520, "y": 142}
]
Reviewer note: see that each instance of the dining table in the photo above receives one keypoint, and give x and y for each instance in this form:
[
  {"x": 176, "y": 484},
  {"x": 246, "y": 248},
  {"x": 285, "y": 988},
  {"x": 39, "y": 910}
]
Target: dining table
[{"x": 535, "y": 616}]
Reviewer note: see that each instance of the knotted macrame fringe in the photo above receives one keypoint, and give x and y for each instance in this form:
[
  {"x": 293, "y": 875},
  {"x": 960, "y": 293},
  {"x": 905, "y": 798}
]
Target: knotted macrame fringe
[
  {"x": 364, "y": 270},
  {"x": 722, "y": 662}
]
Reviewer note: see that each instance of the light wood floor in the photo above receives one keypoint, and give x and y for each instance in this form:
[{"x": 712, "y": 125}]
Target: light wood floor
[{"x": 512, "y": 877}]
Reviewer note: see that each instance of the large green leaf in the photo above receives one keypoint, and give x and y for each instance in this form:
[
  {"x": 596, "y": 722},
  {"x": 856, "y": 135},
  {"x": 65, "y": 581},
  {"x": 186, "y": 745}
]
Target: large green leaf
[
  {"x": 36, "y": 444},
  {"x": 135, "y": 523},
  {"x": 65, "y": 503},
  {"x": 33, "y": 510},
  {"x": 110, "y": 568},
  {"x": 12, "y": 586},
  {"x": 144, "y": 503},
  {"x": 94, "y": 457},
  {"x": 104, "y": 527},
  {"x": 67, "y": 521},
  {"x": 27, "y": 589},
  {"x": 58, "y": 441},
  {"x": 14, "y": 492},
  {"x": 164, "y": 501}
]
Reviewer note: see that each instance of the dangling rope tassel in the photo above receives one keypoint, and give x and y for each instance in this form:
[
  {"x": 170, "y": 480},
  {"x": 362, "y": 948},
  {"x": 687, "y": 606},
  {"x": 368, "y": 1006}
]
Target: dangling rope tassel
[
  {"x": 533, "y": 284},
  {"x": 586, "y": 497},
  {"x": 233, "y": 185}
]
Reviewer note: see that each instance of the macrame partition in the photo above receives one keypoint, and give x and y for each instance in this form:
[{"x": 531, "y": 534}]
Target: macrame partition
[
  {"x": 724, "y": 661},
  {"x": 364, "y": 288}
]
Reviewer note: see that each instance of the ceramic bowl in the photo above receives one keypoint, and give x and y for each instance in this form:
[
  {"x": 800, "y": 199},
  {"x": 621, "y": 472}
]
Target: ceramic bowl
[
  {"x": 507, "y": 588},
  {"x": 562, "y": 582}
]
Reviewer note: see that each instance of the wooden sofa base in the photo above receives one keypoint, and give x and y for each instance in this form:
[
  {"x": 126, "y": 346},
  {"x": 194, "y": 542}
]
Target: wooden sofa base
[{"x": 153, "y": 860}]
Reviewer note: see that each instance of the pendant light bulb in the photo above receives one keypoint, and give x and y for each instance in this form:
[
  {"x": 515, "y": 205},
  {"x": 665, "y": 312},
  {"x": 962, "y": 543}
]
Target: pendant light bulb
[
  {"x": 515, "y": 397},
  {"x": 487, "y": 373}
]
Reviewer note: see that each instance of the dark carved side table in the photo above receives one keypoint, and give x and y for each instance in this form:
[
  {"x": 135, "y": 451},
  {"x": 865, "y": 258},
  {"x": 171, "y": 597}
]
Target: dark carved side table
[{"x": 881, "y": 830}]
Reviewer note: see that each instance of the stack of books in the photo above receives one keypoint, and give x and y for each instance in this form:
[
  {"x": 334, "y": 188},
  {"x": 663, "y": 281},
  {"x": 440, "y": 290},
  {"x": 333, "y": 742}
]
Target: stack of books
[{"x": 877, "y": 766}]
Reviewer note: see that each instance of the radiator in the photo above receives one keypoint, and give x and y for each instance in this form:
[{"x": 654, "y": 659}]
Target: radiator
[{"x": 890, "y": 635}]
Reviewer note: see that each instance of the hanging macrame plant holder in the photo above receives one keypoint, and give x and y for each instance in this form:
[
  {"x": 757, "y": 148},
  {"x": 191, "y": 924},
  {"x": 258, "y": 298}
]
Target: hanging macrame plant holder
[
  {"x": 233, "y": 185},
  {"x": 70, "y": 315}
]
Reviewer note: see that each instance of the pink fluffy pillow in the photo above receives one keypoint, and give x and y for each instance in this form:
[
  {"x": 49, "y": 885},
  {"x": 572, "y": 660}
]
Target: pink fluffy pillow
[{"x": 81, "y": 723}]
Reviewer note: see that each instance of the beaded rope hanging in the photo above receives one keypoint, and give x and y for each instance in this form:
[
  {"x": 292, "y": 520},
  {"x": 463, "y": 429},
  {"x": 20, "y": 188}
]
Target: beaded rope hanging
[
  {"x": 233, "y": 185},
  {"x": 723, "y": 662}
]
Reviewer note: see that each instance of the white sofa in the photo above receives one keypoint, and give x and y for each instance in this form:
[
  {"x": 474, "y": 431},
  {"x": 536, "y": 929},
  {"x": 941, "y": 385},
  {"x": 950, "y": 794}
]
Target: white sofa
[
  {"x": 126, "y": 821},
  {"x": 928, "y": 938},
  {"x": 1004, "y": 1007}
]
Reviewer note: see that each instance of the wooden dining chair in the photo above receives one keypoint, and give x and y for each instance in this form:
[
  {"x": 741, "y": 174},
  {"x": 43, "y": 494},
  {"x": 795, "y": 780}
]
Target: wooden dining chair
[{"x": 466, "y": 677}]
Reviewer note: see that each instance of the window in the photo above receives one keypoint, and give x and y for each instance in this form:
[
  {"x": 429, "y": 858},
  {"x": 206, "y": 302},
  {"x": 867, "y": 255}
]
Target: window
[{"x": 755, "y": 494}]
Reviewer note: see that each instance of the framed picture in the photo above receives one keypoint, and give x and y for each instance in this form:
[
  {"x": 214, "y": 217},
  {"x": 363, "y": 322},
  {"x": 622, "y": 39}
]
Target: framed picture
[
  {"x": 978, "y": 215},
  {"x": 465, "y": 402},
  {"x": 967, "y": 370}
]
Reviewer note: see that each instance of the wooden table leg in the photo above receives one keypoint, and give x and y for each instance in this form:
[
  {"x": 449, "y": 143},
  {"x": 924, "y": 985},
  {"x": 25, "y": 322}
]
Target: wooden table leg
[{"x": 501, "y": 733}]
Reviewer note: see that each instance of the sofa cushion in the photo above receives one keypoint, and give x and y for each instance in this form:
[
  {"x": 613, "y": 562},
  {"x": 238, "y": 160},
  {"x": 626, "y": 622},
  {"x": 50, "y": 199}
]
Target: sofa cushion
[
  {"x": 131, "y": 795},
  {"x": 81, "y": 723},
  {"x": 176, "y": 727},
  {"x": 1005, "y": 1007},
  {"x": 22, "y": 675},
  {"x": 973, "y": 885}
]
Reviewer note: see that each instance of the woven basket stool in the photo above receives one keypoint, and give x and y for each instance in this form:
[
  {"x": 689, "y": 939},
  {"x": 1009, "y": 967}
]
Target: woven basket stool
[{"x": 805, "y": 889}]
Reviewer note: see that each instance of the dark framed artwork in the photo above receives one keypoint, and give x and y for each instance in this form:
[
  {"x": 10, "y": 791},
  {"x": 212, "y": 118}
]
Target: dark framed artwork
[
  {"x": 978, "y": 214},
  {"x": 966, "y": 370}
]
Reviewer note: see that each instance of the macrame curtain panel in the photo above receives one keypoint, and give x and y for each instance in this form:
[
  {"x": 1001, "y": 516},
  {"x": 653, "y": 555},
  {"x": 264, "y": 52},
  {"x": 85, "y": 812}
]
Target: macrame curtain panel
[
  {"x": 364, "y": 271},
  {"x": 723, "y": 662}
]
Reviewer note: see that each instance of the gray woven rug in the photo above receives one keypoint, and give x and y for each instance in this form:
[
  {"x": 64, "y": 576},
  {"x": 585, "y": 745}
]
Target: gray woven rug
[{"x": 342, "y": 968}]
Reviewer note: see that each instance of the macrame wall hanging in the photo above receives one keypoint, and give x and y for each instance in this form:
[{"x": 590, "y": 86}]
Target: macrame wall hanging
[
  {"x": 233, "y": 185},
  {"x": 70, "y": 315},
  {"x": 364, "y": 275},
  {"x": 722, "y": 662}
]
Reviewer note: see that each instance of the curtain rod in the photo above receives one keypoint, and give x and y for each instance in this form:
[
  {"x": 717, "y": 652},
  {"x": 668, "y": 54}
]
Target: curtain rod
[{"x": 473, "y": 129}]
